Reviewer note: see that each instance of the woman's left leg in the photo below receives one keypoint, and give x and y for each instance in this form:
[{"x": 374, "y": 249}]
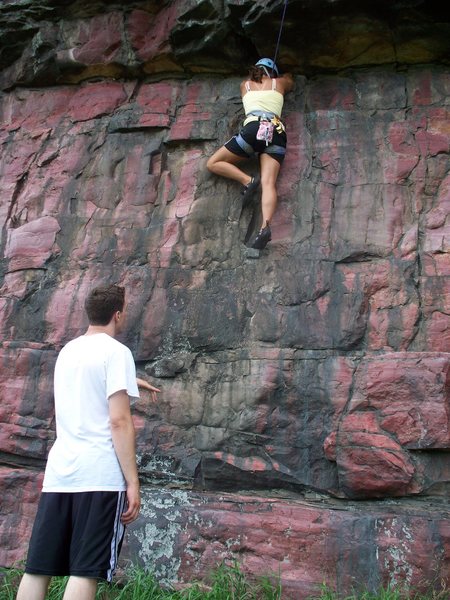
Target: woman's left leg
[{"x": 224, "y": 163}]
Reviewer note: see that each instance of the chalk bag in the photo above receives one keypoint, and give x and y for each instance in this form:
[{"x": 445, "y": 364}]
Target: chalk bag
[{"x": 265, "y": 132}]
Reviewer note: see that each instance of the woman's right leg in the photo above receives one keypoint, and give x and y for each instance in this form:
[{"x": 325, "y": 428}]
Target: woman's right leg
[
  {"x": 224, "y": 163},
  {"x": 270, "y": 169}
]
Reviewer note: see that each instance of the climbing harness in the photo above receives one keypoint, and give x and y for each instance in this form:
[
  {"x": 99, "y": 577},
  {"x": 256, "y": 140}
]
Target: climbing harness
[
  {"x": 278, "y": 125},
  {"x": 267, "y": 123},
  {"x": 279, "y": 34}
]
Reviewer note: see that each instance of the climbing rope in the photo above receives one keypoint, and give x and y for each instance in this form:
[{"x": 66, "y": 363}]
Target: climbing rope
[{"x": 279, "y": 33}]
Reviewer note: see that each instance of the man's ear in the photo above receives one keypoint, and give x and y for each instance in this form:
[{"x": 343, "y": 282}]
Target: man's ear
[{"x": 116, "y": 317}]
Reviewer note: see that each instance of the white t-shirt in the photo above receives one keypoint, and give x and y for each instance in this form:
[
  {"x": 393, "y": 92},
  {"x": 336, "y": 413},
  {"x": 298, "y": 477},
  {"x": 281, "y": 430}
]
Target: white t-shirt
[{"x": 89, "y": 369}]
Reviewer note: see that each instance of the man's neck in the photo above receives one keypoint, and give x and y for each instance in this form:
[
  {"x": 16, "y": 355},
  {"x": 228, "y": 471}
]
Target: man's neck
[{"x": 108, "y": 329}]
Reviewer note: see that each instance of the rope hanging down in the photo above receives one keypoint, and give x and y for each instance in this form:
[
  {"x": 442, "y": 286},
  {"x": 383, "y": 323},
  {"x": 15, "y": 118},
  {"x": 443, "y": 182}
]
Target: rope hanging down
[{"x": 279, "y": 33}]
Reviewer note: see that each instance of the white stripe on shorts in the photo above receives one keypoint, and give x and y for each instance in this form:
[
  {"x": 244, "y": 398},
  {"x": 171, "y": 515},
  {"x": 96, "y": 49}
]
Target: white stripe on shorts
[{"x": 119, "y": 529}]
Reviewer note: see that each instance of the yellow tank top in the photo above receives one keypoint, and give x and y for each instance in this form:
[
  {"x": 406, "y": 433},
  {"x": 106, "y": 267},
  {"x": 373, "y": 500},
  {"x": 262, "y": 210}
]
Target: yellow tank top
[{"x": 263, "y": 100}]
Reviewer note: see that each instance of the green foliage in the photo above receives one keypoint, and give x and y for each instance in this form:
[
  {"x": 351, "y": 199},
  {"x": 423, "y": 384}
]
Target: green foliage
[
  {"x": 229, "y": 583},
  {"x": 385, "y": 594},
  {"x": 9, "y": 580},
  {"x": 225, "y": 583}
]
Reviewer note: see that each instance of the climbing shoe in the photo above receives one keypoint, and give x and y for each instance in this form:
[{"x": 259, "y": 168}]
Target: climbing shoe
[
  {"x": 264, "y": 236},
  {"x": 249, "y": 189}
]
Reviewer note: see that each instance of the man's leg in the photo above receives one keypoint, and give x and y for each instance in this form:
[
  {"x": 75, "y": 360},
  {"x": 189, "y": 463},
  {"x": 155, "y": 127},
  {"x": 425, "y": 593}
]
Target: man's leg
[
  {"x": 33, "y": 587},
  {"x": 80, "y": 588}
]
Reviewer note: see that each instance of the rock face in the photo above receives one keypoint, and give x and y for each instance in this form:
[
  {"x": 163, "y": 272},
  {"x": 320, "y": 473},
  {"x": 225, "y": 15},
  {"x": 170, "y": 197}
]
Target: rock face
[{"x": 304, "y": 423}]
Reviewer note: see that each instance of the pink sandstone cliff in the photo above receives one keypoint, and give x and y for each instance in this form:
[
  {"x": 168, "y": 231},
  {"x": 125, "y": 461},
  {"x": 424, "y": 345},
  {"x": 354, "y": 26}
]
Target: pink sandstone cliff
[{"x": 304, "y": 423}]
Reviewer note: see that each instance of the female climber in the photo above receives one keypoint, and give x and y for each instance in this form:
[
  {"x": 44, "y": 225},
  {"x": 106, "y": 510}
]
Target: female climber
[{"x": 262, "y": 132}]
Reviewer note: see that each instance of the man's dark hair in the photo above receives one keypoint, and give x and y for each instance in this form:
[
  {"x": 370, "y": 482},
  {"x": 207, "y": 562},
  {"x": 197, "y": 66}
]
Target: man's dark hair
[{"x": 102, "y": 302}]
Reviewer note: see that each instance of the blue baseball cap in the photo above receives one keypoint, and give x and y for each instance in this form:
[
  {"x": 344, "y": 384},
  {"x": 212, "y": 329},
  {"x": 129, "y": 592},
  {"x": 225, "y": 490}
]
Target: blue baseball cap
[{"x": 267, "y": 62}]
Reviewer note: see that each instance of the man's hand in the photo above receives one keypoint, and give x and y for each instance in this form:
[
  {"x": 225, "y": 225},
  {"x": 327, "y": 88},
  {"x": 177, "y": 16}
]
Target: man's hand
[
  {"x": 133, "y": 504},
  {"x": 147, "y": 386}
]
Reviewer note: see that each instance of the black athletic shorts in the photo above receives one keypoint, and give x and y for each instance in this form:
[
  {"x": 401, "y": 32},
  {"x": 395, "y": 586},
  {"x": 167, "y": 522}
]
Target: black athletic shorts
[
  {"x": 77, "y": 534},
  {"x": 245, "y": 143}
]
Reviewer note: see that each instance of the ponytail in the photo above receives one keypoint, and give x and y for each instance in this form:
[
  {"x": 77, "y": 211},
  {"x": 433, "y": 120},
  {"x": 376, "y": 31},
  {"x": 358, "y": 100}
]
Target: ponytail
[{"x": 256, "y": 74}]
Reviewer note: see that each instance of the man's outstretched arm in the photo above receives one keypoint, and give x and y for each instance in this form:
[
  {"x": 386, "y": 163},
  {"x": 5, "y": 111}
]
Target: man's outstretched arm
[{"x": 149, "y": 387}]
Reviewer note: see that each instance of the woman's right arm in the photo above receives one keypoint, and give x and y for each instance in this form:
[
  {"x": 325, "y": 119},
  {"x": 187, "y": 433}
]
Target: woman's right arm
[{"x": 287, "y": 81}]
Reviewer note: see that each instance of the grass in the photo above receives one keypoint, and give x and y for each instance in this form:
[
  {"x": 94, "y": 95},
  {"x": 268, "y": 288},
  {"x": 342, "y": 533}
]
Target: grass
[
  {"x": 386, "y": 594},
  {"x": 225, "y": 583}
]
